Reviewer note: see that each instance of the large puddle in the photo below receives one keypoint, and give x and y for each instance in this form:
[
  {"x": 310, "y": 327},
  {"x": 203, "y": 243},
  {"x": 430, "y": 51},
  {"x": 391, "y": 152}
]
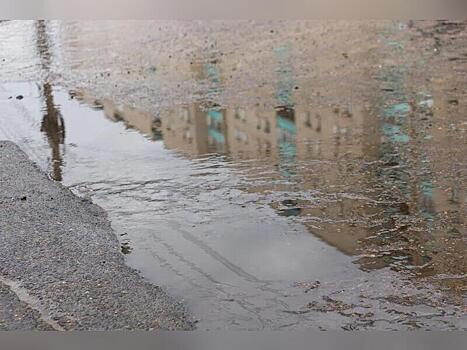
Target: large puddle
[{"x": 313, "y": 178}]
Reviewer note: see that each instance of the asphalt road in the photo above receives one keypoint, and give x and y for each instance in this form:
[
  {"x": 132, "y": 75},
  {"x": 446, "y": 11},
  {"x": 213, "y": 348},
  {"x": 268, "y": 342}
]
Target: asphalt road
[{"x": 61, "y": 266}]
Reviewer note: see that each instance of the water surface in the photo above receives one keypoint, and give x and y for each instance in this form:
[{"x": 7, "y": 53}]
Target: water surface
[{"x": 273, "y": 175}]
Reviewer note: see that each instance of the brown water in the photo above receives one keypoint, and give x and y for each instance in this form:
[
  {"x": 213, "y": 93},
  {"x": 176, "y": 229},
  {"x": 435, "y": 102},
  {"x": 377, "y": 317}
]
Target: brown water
[{"x": 273, "y": 175}]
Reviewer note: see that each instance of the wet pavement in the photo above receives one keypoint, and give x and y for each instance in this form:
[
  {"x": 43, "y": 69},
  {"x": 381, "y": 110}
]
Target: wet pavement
[{"x": 273, "y": 175}]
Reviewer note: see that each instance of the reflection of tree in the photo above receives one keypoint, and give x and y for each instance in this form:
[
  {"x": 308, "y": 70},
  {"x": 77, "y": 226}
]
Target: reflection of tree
[{"x": 52, "y": 121}]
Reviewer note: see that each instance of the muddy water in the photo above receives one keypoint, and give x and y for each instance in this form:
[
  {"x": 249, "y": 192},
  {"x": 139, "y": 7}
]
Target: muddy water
[{"x": 273, "y": 175}]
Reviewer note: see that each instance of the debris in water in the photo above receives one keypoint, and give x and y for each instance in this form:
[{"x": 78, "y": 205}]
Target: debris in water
[
  {"x": 307, "y": 285},
  {"x": 125, "y": 248}
]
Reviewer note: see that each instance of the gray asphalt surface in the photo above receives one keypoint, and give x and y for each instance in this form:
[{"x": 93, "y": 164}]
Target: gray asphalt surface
[
  {"x": 18, "y": 315},
  {"x": 60, "y": 265}
]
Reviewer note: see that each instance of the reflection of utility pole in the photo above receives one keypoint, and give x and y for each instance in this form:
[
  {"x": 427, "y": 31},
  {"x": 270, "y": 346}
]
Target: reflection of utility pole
[{"x": 52, "y": 121}]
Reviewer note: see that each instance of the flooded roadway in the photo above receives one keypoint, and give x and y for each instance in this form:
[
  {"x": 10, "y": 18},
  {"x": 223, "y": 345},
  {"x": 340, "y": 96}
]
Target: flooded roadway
[{"x": 273, "y": 175}]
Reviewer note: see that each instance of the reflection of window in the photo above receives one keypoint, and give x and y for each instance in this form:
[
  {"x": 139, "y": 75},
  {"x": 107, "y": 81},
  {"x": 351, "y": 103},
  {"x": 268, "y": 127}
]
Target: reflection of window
[
  {"x": 307, "y": 117},
  {"x": 348, "y": 136},
  {"x": 187, "y": 136},
  {"x": 343, "y": 132},
  {"x": 240, "y": 114},
  {"x": 454, "y": 194},
  {"x": 241, "y": 136},
  {"x": 336, "y": 130},
  {"x": 263, "y": 147},
  {"x": 214, "y": 124},
  {"x": 318, "y": 121},
  {"x": 186, "y": 115},
  {"x": 264, "y": 124},
  {"x": 318, "y": 149},
  {"x": 267, "y": 127}
]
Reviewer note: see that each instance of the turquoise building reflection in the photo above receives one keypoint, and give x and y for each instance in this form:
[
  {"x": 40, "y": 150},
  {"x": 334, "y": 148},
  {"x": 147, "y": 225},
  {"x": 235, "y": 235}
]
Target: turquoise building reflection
[{"x": 285, "y": 113}]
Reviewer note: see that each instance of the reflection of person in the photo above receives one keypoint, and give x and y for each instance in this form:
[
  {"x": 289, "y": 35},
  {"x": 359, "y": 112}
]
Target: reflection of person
[
  {"x": 54, "y": 128},
  {"x": 52, "y": 121}
]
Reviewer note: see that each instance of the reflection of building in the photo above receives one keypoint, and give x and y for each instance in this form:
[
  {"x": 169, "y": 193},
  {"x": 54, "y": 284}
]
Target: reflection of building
[
  {"x": 145, "y": 122},
  {"x": 357, "y": 158},
  {"x": 357, "y": 212},
  {"x": 185, "y": 129},
  {"x": 142, "y": 121},
  {"x": 440, "y": 193},
  {"x": 250, "y": 133},
  {"x": 280, "y": 139},
  {"x": 335, "y": 141},
  {"x": 421, "y": 227}
]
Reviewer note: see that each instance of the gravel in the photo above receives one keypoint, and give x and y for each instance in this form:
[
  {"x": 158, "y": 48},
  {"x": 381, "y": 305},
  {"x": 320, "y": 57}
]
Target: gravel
[
  {"x": 61, "y": 266},
  {"x": 18, "y": 315}
]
